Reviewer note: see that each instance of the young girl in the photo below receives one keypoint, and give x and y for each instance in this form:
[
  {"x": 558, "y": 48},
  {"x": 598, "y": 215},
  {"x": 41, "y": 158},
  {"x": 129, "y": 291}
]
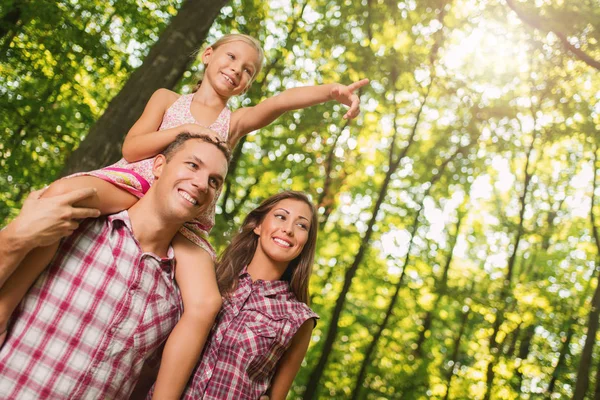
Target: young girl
[
  {"x": 263, "y": 330},
  {"x": 231, "y": 64}
]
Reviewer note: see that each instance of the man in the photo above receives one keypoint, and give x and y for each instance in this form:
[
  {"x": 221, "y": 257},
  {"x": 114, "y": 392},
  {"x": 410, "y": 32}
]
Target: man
[{"x": 107, "y": 300}]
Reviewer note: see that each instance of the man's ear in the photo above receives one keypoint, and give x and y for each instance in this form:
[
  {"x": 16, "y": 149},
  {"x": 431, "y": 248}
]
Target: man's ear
[
  {"x": 207, "y": 54},
  {"x": 159, "y": 163}
]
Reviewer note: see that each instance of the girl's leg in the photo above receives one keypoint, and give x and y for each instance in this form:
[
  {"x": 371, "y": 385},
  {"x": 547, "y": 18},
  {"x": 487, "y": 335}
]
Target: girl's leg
[
  {"x": 195, "y": 276},
  {"x": 108, "y": 199}
]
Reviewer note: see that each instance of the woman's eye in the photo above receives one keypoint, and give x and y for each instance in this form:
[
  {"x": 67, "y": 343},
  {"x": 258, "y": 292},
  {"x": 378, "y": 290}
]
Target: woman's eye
[
  {"x": 280, "y": 216},
  {"x": 192, "y": 165},
  {"x": 230, "y": 56},
  {"x": 303, "y": 226}
]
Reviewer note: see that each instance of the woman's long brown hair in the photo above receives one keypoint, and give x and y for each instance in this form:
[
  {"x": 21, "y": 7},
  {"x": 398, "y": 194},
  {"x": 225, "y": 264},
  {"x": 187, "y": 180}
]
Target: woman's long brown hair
[{"x": 240, "y": 251}]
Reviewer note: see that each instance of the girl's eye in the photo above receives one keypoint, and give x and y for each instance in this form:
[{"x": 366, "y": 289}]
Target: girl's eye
[
  {"x": 231, "y": 56},
  {"x": 248, "y": 71}
]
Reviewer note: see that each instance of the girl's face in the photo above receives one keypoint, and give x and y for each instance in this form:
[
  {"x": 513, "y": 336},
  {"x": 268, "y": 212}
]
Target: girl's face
[
  {"x": 230, "y": 67},
  {"x": 283, "y": 232}
]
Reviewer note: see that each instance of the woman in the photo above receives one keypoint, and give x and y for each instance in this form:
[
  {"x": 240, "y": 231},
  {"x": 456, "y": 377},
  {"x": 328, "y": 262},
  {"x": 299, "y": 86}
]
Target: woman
[{"x": 263, "y": 330}]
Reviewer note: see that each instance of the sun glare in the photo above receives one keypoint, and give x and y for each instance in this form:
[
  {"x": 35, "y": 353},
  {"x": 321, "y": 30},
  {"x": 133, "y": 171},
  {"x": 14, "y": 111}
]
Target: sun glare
[{"x": 490, "y": 51}]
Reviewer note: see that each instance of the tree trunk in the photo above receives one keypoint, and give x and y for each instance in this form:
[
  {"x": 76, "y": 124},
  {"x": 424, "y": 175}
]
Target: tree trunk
[
  {"x": 163, "y": 67},
  {"x": 390, "y": 310},
  {"x": 583, "y": 372},
  {"x": 441, "y": 289},
  {"x": 456, "y": 351},
  {"x": 524, "y": 349},
  {"x": 388, "y": 313},
  {"x": 393, "y": 163},
  {"x": 564, "y": 350},
  {"x": 506, "y": 286}
]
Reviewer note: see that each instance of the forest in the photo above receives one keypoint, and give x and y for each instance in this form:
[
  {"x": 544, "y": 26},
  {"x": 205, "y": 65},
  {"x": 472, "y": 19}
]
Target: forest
[{"x": 459, "y": 235}]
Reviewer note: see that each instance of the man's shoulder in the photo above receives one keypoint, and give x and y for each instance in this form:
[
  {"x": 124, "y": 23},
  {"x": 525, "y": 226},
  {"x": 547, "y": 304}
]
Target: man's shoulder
[{"x": 102, "y": 226}]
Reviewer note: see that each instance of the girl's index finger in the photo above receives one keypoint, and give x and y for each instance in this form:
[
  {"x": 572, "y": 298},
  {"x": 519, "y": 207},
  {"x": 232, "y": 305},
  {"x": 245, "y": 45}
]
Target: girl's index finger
[{"x": 359, "y": 84}]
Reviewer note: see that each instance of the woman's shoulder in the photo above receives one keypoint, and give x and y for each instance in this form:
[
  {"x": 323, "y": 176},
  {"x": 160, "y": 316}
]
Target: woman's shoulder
[{"x": 294, "y": 309}]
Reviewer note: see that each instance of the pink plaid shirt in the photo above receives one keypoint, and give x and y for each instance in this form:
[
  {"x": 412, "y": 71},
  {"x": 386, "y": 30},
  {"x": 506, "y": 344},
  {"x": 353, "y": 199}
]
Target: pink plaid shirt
[
  {"x": 253, "y": 330},
  {"x": 85, "y": 328}
]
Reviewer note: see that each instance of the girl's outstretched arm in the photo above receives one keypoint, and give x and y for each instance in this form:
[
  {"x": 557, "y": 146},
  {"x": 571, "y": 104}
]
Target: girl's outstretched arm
[
  {"x": 144, "y": 140},
  {"x": 248, "y": 119},
  {"x": 289, "y": 365}
]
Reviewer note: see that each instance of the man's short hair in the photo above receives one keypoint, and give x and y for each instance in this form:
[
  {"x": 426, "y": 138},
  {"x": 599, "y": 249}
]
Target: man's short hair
[{"x": 185, "y": 136}]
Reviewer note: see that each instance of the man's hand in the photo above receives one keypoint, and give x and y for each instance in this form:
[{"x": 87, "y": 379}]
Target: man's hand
[
  {"x": 44, "y": 221},
  {"x": 346, "y": 95}
]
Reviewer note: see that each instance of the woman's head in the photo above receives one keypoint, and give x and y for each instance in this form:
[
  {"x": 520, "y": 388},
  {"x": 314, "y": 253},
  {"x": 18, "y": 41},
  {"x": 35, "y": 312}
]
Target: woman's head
[
  {"x": 270, "y": 222},
  {"x": 238, "y": 46}
]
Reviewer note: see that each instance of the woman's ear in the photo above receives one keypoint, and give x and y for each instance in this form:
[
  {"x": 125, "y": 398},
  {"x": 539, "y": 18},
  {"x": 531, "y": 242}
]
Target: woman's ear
[{"x": 256, "y": 230}]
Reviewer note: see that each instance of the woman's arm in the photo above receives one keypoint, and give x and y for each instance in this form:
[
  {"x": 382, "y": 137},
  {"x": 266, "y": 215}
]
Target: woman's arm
[
  {"x": 144, "y": 140},
  {"x": 289, "y": 365},
  {"x": 248, "y": 119}
]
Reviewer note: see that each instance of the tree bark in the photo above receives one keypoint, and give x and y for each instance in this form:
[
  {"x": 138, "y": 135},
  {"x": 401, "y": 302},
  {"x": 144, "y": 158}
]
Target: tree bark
[
  {"x": 441, "y": 289},
  {"x": 583, "y": 372},
  {"x": 163, "y": 67},
  {"x": 564, "y": 350},
  {"x": 524, "y": 348},
  {"x": 507, "y": 283},
  {"x": 456, "y": 351},
  {"x": 393, "y": 163}
]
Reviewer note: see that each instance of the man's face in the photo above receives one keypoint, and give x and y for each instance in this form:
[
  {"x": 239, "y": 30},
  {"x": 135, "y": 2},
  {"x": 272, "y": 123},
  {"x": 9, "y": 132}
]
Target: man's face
[{"x": 187, "y": 184}]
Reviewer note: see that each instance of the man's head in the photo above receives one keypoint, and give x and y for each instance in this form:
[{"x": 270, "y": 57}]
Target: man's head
[{"x": 189, "y": 173}]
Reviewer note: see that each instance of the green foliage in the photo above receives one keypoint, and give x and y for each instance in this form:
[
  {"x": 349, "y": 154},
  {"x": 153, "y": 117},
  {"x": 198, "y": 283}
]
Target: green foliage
[{"x": 491, "y": 86}]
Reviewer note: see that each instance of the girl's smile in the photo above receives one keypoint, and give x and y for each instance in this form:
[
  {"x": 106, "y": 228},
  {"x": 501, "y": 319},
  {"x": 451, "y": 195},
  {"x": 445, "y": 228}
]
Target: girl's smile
[{"x": 230, "y": 67}]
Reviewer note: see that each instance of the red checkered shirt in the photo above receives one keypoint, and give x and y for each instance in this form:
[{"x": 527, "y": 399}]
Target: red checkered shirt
[
  {"x": 253, "y": 330},
  {"x": 85, "y": 328}
]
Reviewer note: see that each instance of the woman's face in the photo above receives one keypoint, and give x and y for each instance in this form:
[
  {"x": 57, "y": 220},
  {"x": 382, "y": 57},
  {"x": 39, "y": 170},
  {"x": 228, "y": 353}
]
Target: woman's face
[{"x": 284, "y": 231}]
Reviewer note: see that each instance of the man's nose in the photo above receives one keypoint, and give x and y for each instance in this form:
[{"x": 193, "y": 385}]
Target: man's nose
[{"x": 200, "y": 182}]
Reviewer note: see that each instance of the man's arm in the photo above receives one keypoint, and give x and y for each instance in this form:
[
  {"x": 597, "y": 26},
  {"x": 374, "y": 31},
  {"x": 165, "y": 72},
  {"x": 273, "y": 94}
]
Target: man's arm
[{"x": 41, "y": 222}]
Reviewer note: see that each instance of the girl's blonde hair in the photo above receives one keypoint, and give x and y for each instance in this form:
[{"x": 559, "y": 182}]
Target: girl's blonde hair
[{"x": 234, "y": 37}]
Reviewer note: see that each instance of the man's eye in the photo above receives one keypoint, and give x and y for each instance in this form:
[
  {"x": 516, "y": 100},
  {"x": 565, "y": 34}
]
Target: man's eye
[
  {"x": 214, "y": 183},
  {"x": 192, "y": 165}
]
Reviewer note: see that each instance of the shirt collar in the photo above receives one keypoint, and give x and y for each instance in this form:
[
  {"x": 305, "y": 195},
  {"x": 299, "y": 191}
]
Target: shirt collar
[
  {"x": 123, "y": 217},
  {"x": 268, "y": 287}
]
